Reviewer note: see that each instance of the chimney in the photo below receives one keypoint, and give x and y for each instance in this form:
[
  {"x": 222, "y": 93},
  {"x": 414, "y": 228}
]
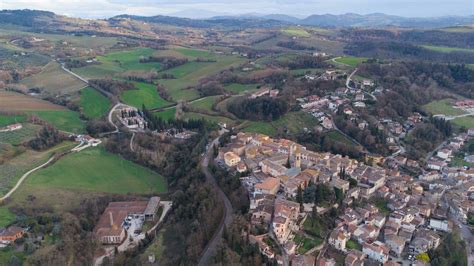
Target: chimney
[{"x": 111, "y": 219}]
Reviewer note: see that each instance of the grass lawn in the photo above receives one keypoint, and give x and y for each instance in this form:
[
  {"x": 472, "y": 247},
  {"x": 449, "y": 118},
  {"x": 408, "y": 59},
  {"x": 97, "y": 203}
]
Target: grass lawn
[
  {"x": 6, "y": 120},
  {"x": 350, "y": 60},
  {"x": 351, "y": 244},
  {"x": 27, "y": 132},
  {"x": 166, "y": 114},
  {"x": 6, "y": 217},
  {"x": 466, "y": 122},
  {"x": 444, "y": 107},
  {"x": 146, "y": 94},
  {"x": 458, "y": 161},
  {"x": 305, "y": 243},
  {"x": 298, "y": 32},
  {"x": 445, "y": 49},
  {"x": 191, "y": 52},
  {"x": 93, "y": 103},
  {"x": 96, "y": 170},
  {"x": 241, "y": 88},
  {"x": 53, "y": 79},
  {"x": 65, "y": 120},
  {"x": 258, "y": 127}
]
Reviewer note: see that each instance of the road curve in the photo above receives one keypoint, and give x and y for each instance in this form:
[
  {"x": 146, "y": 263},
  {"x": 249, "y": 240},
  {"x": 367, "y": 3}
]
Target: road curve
[
  {"x": 23, "y": 177},
  {"x": 211, "y": 247}
]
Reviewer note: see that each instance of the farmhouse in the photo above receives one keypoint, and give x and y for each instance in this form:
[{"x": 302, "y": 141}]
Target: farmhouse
[
  {"x": 12, "y": 127},
  {"x": 12, "y": 233}
]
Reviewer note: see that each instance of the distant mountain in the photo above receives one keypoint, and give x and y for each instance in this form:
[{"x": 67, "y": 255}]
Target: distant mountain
[
  {"x": 227, "y": 22},
  {"x": 26, "y": 17},
  {"x": 382, "y": 20},
  {"x": 282, "y": 17},
  {"x": 197, "y": 14}
]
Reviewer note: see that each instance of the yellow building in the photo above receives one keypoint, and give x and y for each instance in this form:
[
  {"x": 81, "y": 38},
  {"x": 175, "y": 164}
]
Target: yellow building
[{"x": 231, "y": 159}]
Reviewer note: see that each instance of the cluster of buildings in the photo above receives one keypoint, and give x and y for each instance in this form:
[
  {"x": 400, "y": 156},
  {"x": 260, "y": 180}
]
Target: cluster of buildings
[
  {"x": 264, "y": 91},
  {"x": 124, "y": 218},
  {"x": 399, "y": 218},
  {"x": 443, "y": 156},
  {"x": 132, "y": 118}
]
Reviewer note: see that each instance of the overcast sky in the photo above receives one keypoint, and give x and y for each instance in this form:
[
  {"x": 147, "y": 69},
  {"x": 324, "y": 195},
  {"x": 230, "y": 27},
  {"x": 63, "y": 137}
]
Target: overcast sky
[{"x": 199, "y": 8}]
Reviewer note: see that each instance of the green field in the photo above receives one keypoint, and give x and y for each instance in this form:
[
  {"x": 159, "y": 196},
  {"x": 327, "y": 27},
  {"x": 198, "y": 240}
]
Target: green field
[
  {"x": 27, "y": 132},
  {"x": 6, "y": 120},
  {"x": 292, "y": 122},
  {"x": 65, "y": 120},
  {"x": 445, "y": 49},
  {"x": 241, "y": 88},
  {"x": 465, "y": 122},
  {"x": 351, "y": 61},
  {"x": 189, "y": 74},
  {"x": 298, "y": 32},
  {"x": 211, "y": 118},
  {"x": 205, "y": 103},
  {"x": 117, "y": 62},
  {"x": 166, "y": 114},
  {"x": 337, "y": 136},
  {"x": 196, "y": 53},
  {"x": 443, "y": 107},
  {"x": 145, "y": 94},
  {"x": 6, "y": 217},
  {"x": 96, "y": 170},
  {"x": 93, "y": 103},
  {"x": 14, "y": 168},
  {"x": 54, "y": 80}
]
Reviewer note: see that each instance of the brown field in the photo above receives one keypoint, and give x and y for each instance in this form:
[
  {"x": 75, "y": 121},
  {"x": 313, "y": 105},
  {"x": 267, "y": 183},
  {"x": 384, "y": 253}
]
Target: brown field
[{"x": 12, "y": 101}]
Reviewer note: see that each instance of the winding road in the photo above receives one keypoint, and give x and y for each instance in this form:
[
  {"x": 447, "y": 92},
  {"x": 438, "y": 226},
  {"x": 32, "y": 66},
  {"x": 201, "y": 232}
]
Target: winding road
[{"x": 211, "y": 247}]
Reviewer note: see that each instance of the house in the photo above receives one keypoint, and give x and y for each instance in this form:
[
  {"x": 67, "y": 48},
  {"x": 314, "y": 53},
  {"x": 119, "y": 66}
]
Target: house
[
  {"x": 12, "y": 233},
  {"x": 11, "y": 127},
  {"x": 231, "y": 159},
  {"x": 376, "y": 251},
  {"x": 339, "y": 238},
  {"x": 395, "y": 243},
  {"x": 354, "y": 258},
  {"x": 269, "y": 186},
  {"x": 261, "y": 92},
  {"x": 241, "y": 167},
  {"x": 284, "y": 219},
  {"x": 439, "y": 224},
  {"x": 444, "y": 153},
  {"x": 340, "y": 184}
]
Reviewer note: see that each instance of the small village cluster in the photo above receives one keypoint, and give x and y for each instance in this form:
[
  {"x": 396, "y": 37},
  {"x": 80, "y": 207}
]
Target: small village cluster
[
  {"x": 414, "y": 214},
  {"x": 132, "y": 118}
]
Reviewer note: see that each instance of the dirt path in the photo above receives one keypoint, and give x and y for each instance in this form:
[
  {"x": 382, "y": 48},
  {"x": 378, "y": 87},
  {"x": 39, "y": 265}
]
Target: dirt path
[{"x": 23, "y": 177}]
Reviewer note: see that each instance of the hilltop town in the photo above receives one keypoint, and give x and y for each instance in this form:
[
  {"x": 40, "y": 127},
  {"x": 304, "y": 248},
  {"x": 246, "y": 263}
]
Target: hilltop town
[{"x": 377, "y": 214}]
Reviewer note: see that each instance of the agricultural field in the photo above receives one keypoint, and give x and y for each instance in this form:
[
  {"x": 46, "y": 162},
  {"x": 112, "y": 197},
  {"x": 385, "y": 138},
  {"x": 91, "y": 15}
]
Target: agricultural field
[
  {"x": 53, "y": 80},
  {"x": 6, "y": 120},
  {"x": 189, "y": 74},
  {"x": 258, "y": 127},
  {"x": 117, "y": 62},
  {"x": 444, "y": 107},
  {"x": 205, "y": 103},
  {"x": 15, "y": 102},
  {"x": 93, "y": 103},
  {"x": 298, "y": 32},
  {"x": 146, "y": 94},
  {"x": 337, "y": 136},
  {"x": 96, "y": 170},
  {"x": 65, "y": 120},
  {"x": 444, "y": 49},
  {"x": 27, "y": 132},
  {"x": 350, "y": 61},
  {"x": 14, "y": 168},
  {"x": 241, "y": 88}
]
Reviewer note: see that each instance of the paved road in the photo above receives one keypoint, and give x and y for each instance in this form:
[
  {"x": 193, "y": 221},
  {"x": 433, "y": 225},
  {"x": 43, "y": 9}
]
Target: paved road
[
  {"x": 131, "y": 142},
  {"x": 211, "y": 247}
]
